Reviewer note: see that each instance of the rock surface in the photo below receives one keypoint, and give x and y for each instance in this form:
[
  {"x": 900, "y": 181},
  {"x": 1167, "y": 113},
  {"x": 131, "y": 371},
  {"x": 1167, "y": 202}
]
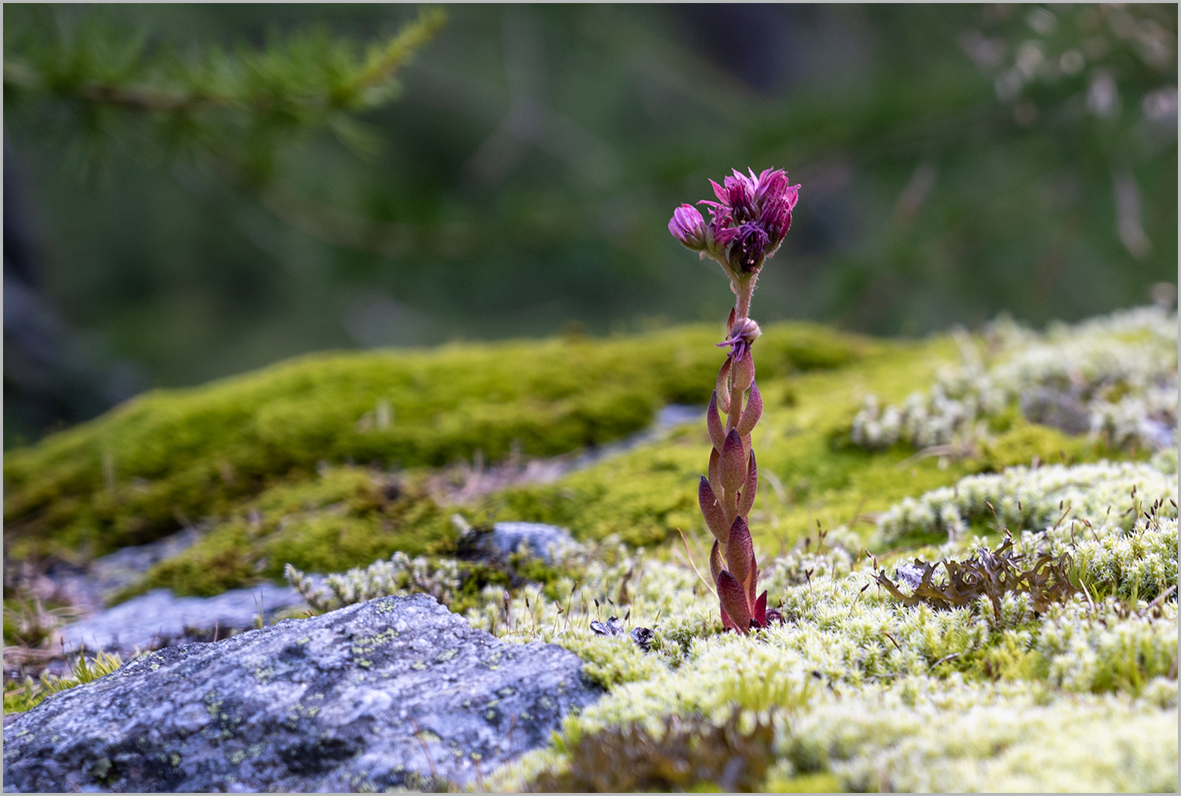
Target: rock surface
[
  {"x": 160, "y": 619},
  {"x": 395, "y": 692},
  {"x": 505, "y": 538}
]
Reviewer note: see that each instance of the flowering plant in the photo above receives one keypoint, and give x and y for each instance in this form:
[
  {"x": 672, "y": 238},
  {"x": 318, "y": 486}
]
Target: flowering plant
[{"x": 746, "y": 226}]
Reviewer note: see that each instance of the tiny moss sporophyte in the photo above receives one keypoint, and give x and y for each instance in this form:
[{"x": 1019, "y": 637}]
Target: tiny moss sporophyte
[{"x": 746, "y": 226}]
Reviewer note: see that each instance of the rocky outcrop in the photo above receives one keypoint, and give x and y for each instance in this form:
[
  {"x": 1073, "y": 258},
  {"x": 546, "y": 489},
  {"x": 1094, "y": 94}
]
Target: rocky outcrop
[
  {"x": 160, "y": 619},
  {"x": 395, "y": 692}
]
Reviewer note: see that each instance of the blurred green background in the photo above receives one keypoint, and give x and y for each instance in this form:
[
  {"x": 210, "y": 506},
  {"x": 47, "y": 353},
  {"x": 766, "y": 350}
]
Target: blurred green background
[{"x": 956, "y": 161}]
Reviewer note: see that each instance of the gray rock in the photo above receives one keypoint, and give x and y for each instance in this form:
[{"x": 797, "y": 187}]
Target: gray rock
[
  {"x": 159, "y": 619},
  {"x": 125, "y": 566},
  {"x": 395, "y": 692},
  {"x": 543, "y": 540},
  {"x": 1059, "y": 410}
]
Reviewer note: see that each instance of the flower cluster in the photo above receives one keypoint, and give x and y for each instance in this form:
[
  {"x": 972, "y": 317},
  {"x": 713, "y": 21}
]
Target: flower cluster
[{"x": 747, "y": 225}]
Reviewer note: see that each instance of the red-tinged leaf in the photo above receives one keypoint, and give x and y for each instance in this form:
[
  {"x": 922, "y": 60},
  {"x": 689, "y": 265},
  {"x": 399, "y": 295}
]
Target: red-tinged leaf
[
  {"x": 735, "y": 407},
  {"x": 744, "y": 371},
  {"x": 723, "y": 388},
  {"x": 715, "y": 561},
  {"x": 730, "y": 321},
  {"x": 733, "y": 602},
  {"x": 716, "y": 485},
  {"x": 746, "y": 500},
  {"x": 740, "y": 551},
  {"x": 727, "y": 622},
  {"x": 717, "y": 434},
  {"x": 752, "y": 584},
  {"x": 752, "y": 412},
  {"x": 732, "y": 464},
  {"x": 711, "y": 509},
  {"x": 760, "y": 612}
]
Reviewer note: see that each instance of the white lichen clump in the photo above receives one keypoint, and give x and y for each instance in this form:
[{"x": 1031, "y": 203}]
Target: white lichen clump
[
  {"x": 1076, "y": 695},
  {"x": 1113, "y": 377},
  {"x": 1082, "y": 696},
  {"x": 439, "y": 578},
  {"x": 881, "y": 696},
  {"x": 1103, "y": 496}
]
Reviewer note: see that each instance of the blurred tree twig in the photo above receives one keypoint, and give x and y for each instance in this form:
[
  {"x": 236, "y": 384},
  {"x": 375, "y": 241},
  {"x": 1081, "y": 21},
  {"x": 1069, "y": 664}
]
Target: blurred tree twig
[{"x": 238, "y": 109}]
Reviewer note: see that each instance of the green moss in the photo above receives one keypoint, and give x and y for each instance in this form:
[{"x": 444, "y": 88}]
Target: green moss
[
  {"x": 341, "y": 518},
  {"x": 805, "y": 783},
  {"x": 21, "y": 696},
  {"x": 1023, "y": 442},
  {"x": 645, "y": 495},
  {"x": 133, "y": 474},
  {"x": 345, "y": 517}
]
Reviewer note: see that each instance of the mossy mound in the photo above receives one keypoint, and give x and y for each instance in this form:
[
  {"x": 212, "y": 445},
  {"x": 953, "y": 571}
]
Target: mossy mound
[
  {"x": 808, "y": 473},
  {"x": 138, "y": 472},
  {"x": 334, "y": 517}
]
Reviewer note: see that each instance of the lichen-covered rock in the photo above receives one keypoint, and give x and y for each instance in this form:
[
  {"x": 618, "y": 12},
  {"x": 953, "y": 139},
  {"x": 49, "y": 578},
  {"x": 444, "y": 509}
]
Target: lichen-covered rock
[
  {"x": 393, "y": 692},
  {"x": 506, "y": 538},
  {"x": 161, "y": 619}
]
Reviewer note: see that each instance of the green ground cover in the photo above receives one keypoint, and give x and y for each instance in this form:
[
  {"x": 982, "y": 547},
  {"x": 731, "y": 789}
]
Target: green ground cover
[
  {"x": 173, "y": 456},
  {"x": 856, "y": 691},
  {"x": 342, "y": 516}
]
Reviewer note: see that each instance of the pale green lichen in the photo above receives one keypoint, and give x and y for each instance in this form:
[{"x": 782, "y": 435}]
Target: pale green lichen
[
  {"x": 1063, "y": 501},
  {"x": 437, "y": 577},
  {"x": 868, "y": 686},
  {"x": 1114, "y": 376},
  {"x": 864, "y": 692}
]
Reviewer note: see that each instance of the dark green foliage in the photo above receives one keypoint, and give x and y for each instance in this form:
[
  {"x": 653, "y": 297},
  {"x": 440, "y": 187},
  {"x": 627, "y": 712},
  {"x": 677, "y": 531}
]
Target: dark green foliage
[
  {"x": 137, "y": 473},
  {"x": 690, "y": 754},
  {"x": 238, "y": 107},
  {"x": 1045, "y": 578},
  {"x": 926, "y": 199}
]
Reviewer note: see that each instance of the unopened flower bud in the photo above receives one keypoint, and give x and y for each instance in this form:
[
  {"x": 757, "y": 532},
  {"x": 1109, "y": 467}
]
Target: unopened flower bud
[{"x": 688, "y": 227}]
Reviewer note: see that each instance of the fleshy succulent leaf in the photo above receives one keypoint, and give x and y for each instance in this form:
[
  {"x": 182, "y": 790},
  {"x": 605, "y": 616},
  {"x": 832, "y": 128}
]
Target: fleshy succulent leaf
[
  {"x": 752, "y": 412},
  {"x": 744, "y": 370},
  {"x": 727, "y": 622},
  {"x": 717, "y": 434},
  {"x": 711, "y": 509},
  {"x": 722, "y": 387},
  {"x": 733, "y": 600},
  {"x": 760, "y": 611},
  {"x": 732, "y": 464},
  {"x": 715, "y": 560},
  {"x": 746, "y": 500},
  {"x": 740, "y": 551},
  {"x": 712, "y": 474}
]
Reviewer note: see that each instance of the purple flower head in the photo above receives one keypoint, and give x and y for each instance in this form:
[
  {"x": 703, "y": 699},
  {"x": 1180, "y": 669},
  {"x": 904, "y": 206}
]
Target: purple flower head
[
  {"x": 749, "y": 249},
  {"x": 738, "y": 194},
  {"x": 688, "y": 227},
  {"x": 747, "y": 223}
]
